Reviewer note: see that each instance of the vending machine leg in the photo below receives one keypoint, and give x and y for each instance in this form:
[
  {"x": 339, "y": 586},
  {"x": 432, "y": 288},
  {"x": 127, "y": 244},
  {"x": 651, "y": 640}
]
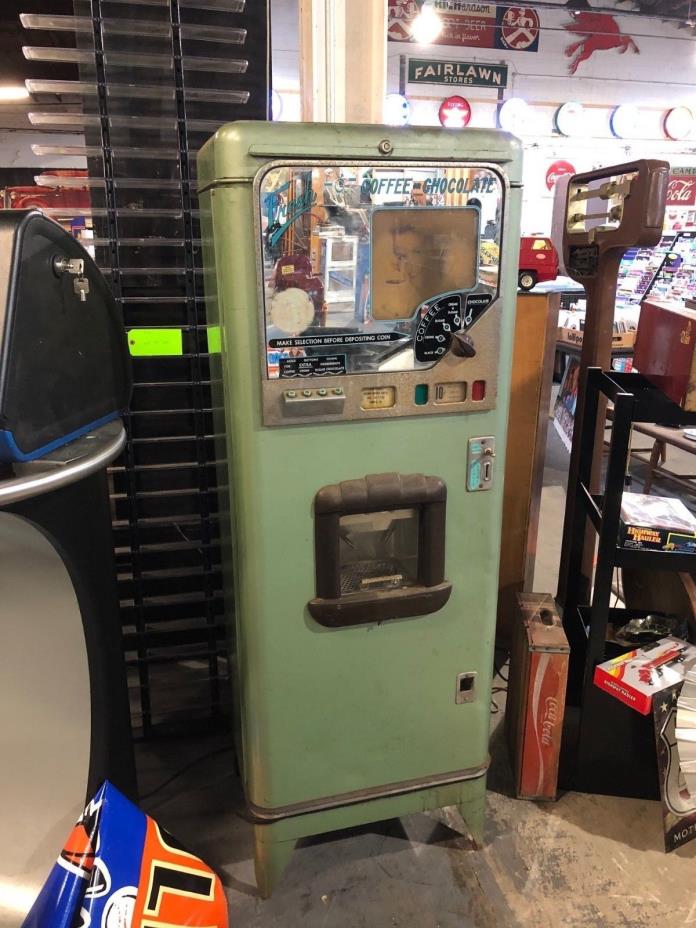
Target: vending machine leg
[
  {"x": 271, "y": 857},
  {"x": 461, "y": 806}
]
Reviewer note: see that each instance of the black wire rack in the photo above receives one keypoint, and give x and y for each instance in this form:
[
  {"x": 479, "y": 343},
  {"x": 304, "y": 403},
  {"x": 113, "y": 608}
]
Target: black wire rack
[{"x": 156, "y": 78}]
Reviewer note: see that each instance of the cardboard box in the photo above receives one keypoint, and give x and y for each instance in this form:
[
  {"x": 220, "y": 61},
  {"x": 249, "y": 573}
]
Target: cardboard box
[
  {"x": 573, "y": 337},
  {"x": 656, "y": 523},
  {"x": 635, "y": 677},
  {"x": 665, "y": 353},
  {"x": 536, "y": 696}
]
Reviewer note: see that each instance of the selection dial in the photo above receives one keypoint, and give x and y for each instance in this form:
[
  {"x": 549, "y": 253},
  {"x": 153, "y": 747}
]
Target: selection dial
[{"x": 435, "y": 330}]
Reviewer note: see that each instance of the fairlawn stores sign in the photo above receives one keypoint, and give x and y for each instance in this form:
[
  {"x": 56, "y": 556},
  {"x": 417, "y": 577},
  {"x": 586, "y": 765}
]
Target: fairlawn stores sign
[{"x": 458, "y": 73}]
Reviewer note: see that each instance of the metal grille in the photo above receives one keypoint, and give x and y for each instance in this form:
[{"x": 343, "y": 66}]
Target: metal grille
[{"x": 157, "y": 77}]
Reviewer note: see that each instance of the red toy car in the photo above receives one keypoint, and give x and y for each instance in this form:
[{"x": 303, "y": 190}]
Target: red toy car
[{"x": 538, "y": 261}]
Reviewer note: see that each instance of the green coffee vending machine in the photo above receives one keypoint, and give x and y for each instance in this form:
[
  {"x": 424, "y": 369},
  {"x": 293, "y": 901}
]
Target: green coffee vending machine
[{"x": 364, "y": 281}]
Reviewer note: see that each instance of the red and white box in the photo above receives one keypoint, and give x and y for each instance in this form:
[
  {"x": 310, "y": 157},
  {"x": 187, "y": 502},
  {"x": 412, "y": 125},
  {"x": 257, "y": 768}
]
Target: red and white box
[
  {"x": 634, "y": 678},
  {"x": 536, "y": 696}
]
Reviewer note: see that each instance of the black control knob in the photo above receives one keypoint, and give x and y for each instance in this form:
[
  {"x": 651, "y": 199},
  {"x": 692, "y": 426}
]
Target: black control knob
[{"x": 463, "y": 345}]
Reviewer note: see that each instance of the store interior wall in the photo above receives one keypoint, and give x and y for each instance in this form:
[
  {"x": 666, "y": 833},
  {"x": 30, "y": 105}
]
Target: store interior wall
[{"x": 660, "y": 76}]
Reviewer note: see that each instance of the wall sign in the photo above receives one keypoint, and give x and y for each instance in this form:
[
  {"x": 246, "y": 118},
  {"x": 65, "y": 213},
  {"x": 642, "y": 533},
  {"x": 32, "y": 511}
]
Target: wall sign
[
  {"x": 557, "y": 170},
  {"x": 679, "y": 123},
  {"x": 454, "y": 113},
  {"x": 514, "y": 116},
  {"x": 397, "y": 110},
  {"x": 682, "y": 187},
  {"x": 570, "y": 119},
  {"x": 519, "y": 29},
  {"x": 599, "y": 32},
  {"x": 623, "y": 121},
  {"x": 460, "y": 73},
  {"x": 470, "y": 25}
]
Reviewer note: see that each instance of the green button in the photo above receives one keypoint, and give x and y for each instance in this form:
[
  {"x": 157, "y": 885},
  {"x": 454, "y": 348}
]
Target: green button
[{"x": 420, "y": 397}]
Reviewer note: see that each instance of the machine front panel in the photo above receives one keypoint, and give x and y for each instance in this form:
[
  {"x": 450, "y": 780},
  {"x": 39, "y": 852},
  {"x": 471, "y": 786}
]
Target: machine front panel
[{"x": 379, "y": 289}]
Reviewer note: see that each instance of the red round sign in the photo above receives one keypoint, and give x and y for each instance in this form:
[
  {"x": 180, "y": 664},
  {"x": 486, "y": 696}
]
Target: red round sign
[
  {"x": 558, "y": 169},
  {"x": 519, "y": 29},
  {"x": 454, "y": 113}
]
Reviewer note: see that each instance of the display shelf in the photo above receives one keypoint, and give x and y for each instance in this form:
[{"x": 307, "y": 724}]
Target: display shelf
[
  {"x": 676, "y": 280},
  {"x": 639, "y": 268},
  {"x": 634, "y": 400}
]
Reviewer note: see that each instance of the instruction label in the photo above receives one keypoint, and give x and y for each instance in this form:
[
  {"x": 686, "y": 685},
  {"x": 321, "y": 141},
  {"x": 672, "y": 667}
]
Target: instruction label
[{"x": 329, "y": 365}]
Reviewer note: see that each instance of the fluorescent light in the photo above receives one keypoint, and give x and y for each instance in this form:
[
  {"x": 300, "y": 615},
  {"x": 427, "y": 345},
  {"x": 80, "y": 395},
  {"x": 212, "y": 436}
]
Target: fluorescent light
[
  {"x": 427, "y": 25},
  {"x": 12, "y": 92}
]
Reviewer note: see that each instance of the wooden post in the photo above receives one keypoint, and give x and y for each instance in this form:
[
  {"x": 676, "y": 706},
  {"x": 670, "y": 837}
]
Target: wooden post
[{"x": 343, "y": 60}]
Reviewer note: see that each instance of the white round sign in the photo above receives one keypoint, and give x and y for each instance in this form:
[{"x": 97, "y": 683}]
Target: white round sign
[
  {"x": 514, "y": 115},
  {"x": 396, "y": 109},
  {"x": 679, "y": 123},
  {"x": 624, "y": 121},
  {"x": 570, "y": 119}
]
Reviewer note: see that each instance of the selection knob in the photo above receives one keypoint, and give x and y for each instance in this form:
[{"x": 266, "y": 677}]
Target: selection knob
[{"x": 463, "y": 345}]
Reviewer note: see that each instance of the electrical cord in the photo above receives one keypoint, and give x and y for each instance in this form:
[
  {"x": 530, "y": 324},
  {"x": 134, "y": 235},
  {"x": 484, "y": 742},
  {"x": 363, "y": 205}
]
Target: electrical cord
[{"x": 183, "y": 770}]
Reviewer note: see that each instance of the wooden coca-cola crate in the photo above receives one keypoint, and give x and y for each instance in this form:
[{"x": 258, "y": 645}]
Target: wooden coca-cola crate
[{"x": 536, "y": 695}]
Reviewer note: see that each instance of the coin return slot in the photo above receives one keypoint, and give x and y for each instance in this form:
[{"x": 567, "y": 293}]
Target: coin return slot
[
  {"x": 446, "y": 393},
  {"x": 465, "y": 691}
]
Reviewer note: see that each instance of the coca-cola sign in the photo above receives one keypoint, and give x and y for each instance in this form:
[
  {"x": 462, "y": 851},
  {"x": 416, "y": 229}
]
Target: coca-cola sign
[
  {"x": 681, "y": 191},
  {"x": 557, "y": 170}
]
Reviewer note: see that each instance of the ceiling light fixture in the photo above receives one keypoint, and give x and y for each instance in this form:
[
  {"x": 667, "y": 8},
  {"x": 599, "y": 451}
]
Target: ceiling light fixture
[
  {"x": 427, "y": 25},
  {"x": 10, "y": 93}
]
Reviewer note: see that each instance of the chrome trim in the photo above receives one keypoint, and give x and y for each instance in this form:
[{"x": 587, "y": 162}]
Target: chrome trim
[
  {"x": 272, "y": 389},
  {"x": 260, "y": 815},
  {"x": 66, "y": 465}
]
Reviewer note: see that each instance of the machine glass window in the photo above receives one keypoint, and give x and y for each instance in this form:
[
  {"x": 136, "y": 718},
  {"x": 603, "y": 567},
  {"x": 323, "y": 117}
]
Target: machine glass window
[
  {"x": 378, "y": 550},
  {"x": 373, "y": 268},
  {"x": 416, "y": 253}
]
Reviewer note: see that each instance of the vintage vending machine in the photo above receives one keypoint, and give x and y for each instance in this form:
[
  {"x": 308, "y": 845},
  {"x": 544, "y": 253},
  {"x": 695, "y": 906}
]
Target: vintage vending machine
[{"x": 364, "y": 281}]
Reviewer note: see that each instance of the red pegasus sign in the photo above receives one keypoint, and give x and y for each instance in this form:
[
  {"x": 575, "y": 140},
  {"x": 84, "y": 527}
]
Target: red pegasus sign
[{"x": 599, "y": 32}]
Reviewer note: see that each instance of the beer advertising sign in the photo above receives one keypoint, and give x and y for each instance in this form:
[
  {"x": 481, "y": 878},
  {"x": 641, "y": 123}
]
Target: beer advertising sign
[{"x": 471, "y": 25}]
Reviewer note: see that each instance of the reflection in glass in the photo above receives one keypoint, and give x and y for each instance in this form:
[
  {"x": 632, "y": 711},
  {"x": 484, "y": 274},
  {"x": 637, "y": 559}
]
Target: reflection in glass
[
  {"x": 418, "y": 253},
  {"x": 354, "y": 255}
]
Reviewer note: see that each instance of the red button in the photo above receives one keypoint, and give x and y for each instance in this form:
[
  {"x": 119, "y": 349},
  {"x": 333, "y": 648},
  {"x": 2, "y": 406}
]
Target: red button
[{"x": 478, "y": 390}]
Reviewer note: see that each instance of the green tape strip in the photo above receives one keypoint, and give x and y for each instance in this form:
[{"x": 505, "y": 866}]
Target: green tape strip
[
  {"x": 214, "y": 340},
  {"x": 149, "y": 343}
]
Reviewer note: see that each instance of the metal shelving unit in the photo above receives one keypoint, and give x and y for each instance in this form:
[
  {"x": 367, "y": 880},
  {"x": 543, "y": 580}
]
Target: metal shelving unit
[
  {"x": 611, "y": 749},
  {"x": 157, "y": 77}
]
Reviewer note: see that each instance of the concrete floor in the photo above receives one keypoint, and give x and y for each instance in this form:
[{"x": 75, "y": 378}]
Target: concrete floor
[{"x": 581, "y": 862}]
